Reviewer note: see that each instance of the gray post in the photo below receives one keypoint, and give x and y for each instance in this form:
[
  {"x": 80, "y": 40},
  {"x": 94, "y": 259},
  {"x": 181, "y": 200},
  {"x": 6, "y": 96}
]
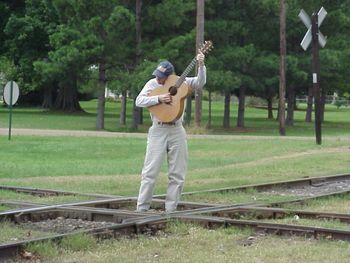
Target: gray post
[{"x": 10, "y": 107}]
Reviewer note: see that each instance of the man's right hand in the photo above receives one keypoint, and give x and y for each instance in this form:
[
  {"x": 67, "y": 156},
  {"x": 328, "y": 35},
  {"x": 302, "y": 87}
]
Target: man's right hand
[{"x": 165, "y": 98}]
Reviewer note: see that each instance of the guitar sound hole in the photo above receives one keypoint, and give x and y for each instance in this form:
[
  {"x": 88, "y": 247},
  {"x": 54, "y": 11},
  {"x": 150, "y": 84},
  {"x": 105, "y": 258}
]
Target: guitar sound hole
[{"x": 172, "y": 90}]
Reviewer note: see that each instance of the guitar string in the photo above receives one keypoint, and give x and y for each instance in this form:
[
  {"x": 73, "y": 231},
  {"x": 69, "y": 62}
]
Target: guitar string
[
  {"x": 190, "y": 67},
  {"x": 185, "y": 73}
]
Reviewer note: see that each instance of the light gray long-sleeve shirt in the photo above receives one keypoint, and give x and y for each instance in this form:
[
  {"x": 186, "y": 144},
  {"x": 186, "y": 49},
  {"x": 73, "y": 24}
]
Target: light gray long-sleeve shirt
[{"x": 143, "y": 100}]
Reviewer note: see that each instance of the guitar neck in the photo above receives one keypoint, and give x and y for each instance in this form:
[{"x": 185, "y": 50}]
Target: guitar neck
[{"x": 186, "y": 72}]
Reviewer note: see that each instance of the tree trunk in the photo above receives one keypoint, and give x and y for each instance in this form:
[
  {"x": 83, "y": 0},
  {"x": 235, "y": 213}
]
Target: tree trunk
[
  {"x": 101, "y": 97},
  {"x": 226, "y": 121},
  {"x": 138, "y": 46},
  {"x": 282, "y": 84},
  {"x": 291, "y": 106},
  {"x": 122, "y": 117},
  {"x": 48, "y": 97},
  {"x": 141, "y": 116},
  {"x": 308, "y": 116},
  {"x": 138, "y": 31},
  {"x": 188, "y": 110},
  {"x": 241, "y": 107},
  {"x": 136, "y": 115},
  {"x": 269, "y": 108},
  {"x": 199, "y": 41},
  {"x": 67, "y": 97}
]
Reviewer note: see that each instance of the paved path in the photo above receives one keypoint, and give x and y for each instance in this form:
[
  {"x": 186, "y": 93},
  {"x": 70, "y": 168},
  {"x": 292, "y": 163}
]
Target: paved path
[
  {"x": 81, "y": 133},
  {"x": 77, "y": 133}
]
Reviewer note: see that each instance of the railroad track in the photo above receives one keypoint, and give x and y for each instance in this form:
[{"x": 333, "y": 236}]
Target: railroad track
[
  {"x": 118, "y": 212},
  {"x": 308, "y": 182}
]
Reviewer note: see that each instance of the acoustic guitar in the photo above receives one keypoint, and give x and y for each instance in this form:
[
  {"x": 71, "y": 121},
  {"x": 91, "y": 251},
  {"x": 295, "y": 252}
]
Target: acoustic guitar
[{"x": 178, "y": 89}]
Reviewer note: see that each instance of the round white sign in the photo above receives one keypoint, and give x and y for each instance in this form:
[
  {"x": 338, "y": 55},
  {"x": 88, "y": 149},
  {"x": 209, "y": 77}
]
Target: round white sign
[{"x": 7, "y": 93}]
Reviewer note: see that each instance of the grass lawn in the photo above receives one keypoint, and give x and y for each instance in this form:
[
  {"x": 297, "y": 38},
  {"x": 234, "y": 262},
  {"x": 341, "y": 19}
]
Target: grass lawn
[
  {"x": 193, "y": 244},
  {"x": 113, "y": 165},
  {"x": 337, "y": 121}
]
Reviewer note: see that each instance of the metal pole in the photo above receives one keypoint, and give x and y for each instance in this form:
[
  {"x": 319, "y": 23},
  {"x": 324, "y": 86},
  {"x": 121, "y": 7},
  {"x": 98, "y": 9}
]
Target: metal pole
[
  {"x": 10, "y": 106},
  {"x": 316, "y": 78}
]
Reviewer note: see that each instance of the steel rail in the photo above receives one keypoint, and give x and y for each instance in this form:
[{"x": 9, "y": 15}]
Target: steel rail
[
  {"x": 311, "y": 181},
  {"x": 275, "y": 213},
  {"x": 130, "y": 222},
  {"x": 195, "y": 208},
  {"x": 51, "y": 192},
  {"x": 187, "y": 207},
  {"x": 157, "y": 222},
  {"x": 114, "y": 203},
  {"x": 309, "y": 198},
  {"x": 134, "y": 223},
  {"x": 279, "y": 229},
  {"x": 10, "y": 250},
  {"x": 84, "y": 213}
]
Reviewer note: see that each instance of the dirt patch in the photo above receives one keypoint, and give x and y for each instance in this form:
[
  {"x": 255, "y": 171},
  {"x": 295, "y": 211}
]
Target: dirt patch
[{"x": 65, "y": 225}]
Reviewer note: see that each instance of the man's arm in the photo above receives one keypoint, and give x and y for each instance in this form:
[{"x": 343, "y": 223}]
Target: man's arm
[
  {"x": 143, "y": 100},
  {"x": 199, "y": 81}
]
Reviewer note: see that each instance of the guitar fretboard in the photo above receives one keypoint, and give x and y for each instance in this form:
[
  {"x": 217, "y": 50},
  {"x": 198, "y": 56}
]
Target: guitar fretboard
[{"x": 185, "y": 73}]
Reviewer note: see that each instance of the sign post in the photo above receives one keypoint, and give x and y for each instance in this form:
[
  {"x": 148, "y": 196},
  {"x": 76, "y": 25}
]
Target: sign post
[
  {"x": 314, "y": 36},
  {"x": 11, "y": 94}
]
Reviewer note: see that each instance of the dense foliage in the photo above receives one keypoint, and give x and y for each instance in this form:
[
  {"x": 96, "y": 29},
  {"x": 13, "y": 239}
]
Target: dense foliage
[{"x": 61, "y": 51}]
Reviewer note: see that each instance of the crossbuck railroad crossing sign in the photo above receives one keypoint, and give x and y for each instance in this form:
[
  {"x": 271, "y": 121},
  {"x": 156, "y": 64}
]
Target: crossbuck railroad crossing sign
[
  {"x": 304, "y": 17},
  {"x": 314, "y": 36}
]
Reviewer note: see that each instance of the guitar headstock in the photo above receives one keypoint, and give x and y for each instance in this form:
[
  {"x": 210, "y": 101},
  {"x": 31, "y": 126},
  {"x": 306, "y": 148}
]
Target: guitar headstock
[{"x": 206, "y": 46}]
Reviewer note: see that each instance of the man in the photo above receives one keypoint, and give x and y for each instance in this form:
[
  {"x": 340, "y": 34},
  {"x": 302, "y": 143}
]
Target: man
[{"x": 165, "y": 139}]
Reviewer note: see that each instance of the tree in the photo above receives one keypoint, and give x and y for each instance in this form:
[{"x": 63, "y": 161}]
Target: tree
[
  {"x": 297, "y": 81},
  {"x": 27, "y": 34},
  {"x": 282, "y": 86},
  {"x": 199, "y": 41},
  {"x": 86, "y": 37},
  {"x": 173, "y": 40},
  {"x": 265, "y": 68},
  {"x": 241, "y": 35}
]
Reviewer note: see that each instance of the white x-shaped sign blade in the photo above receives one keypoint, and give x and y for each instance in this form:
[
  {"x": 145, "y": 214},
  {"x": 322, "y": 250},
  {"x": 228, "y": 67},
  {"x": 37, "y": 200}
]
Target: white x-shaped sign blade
[
  {"x": 321, "y": 15},
  {"x": 304, "y": 17},
  {"x": 322, "y": 40}
]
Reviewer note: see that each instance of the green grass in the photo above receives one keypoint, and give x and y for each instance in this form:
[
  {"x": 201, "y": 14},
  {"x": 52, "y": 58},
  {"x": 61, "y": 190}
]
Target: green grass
[
  {"x": 337, "y": 121},
  {"x": 237, "y": 197},
  {"x": 11, "y": 233},
  {"x": 3, "y": 208},
  {"x": 193, "y": 244},
  {"x": 334, "y": 204},
  {"x": 11, "y": 195},
  {"x": 113, "y": 165},
  {"x": 334, "y": 224}
]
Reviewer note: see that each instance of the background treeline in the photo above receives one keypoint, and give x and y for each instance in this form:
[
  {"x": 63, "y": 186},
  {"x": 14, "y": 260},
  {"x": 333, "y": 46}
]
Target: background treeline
[{"x": 63, "y": 51}]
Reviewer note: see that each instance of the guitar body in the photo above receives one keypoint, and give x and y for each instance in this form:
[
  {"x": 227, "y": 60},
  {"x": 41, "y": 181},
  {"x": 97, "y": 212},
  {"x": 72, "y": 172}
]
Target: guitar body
[{"x": 170, "y": 112}]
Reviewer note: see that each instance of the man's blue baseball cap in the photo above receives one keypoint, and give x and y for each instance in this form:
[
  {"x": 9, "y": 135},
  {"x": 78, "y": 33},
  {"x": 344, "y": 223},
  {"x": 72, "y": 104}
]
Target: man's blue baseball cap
[{"x": 163, "y": 70}]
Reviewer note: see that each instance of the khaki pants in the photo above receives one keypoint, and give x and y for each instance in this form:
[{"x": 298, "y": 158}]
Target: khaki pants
[{"x": 164, "y": 140}]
